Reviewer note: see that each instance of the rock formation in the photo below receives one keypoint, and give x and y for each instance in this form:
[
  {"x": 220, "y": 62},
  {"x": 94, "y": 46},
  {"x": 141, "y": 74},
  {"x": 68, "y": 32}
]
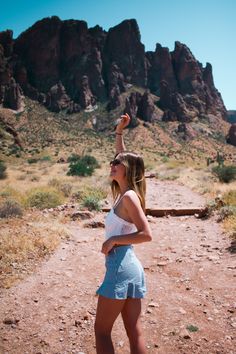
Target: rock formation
[
  {"x": 231, "y": 116},
  {"x": 68, "y": 66},
  {"x": 231, "y": 138}
]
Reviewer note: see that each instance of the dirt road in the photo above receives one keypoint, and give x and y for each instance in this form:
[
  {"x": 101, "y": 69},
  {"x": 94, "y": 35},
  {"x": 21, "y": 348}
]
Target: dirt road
[{"x": 190, "y": 306}]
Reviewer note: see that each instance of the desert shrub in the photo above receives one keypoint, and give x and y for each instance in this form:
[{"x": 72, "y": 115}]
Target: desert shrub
[
  {"x": 3, "y": 168},
  {"x": 73, "y": 158},
  {"x": 165, "y": 159},
  {"x": 46, "y": 158},
  {"x": 90, "y": 160},
  {"x": 64, "y": 188},
  {"x": 54, "y": 182},
  {"x": 168, "y": 178},
  {"x": 87, "y": 191},
  {"x": 91, "y": 202},
  {"x": 229, "y": 198},
  {"x": 10, "y": 208},
  {"x": 11, "y": 193},
  {"x": 80, "y": 169},
  {"x": 192, "y": 328},
  {"x": 14, "y": 149},
  {"x": 44, "y": 198},
  {"x": 211, "y": 207},
  {"x": 35, "y": 178},
  {"x": 82, "y": 166},
  {"x": 225, "y": 174},
  {"x": 90, "y": 197},
  {"x": 32, "y": 160},
  {"x": 225, "y": 212},
  {"x": 2, "y": 133},
  {"x": 230, "y": 226}
]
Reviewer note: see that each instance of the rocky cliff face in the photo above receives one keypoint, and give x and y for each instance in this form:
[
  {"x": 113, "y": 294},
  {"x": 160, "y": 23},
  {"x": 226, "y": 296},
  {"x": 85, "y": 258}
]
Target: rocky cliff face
[
  {"x": 68, "y": 66},
  {"x": 231, "y": 116}
]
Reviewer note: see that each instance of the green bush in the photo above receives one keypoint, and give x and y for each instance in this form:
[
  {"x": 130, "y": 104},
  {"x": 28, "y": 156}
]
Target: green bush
[
  {"x": 88, "y": 191},
  {"x": 225, "y": 174},
  {"x": 46, "y": 158},
  {"x": 80, "y": 169},
  {"x": 44, "y": 199},
  {"x": 2, "y": 170},
  {"x": 92, "y": 203},
  {"x": 82, "y": 166},
  {"x": 192, "y": 328},
  {"x": 90, "y": 160},
  {"x": 10, "y": 208},
  {"x": 32, "y": 160},
  {"x": 73, "y": 158}
]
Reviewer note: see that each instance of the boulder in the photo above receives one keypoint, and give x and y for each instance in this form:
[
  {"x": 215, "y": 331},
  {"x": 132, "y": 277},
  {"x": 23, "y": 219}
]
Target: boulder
[
  {"x": 131, "y": 107},
  {"x": 186, "y": 132},
  {"x": 231, "y": 137},
  {"x": 58, "y": 100},
  {"x": 146, "y": 109},
  {"x": 13, "y": 96},
  {"x": 86, "y": 97}
]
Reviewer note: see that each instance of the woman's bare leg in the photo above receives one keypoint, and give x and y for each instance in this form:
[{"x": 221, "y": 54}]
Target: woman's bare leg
[
  {"x": 131, "y": 313},
  {"x": 107, "y": 312}
]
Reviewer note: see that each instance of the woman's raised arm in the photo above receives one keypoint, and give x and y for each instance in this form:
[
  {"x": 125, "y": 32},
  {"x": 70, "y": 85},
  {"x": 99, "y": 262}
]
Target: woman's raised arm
[{"x": 119, "y": 143}]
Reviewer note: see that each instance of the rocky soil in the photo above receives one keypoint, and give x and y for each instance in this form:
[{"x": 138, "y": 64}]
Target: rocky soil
[{"x": 190, "y": 306}]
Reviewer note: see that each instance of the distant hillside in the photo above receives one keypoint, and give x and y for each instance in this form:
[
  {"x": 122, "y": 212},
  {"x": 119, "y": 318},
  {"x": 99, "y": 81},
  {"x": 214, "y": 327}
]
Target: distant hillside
[
  {"x": 36, "y": 132},
  {"x": 231, "y": 116}
]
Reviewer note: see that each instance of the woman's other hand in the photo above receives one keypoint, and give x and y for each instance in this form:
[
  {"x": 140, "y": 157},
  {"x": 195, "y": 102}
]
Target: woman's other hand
[{"x": 107, "y": 246}]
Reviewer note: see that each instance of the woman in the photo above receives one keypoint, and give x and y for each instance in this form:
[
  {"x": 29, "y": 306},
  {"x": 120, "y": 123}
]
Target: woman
[{"x": 126, "y": 224}]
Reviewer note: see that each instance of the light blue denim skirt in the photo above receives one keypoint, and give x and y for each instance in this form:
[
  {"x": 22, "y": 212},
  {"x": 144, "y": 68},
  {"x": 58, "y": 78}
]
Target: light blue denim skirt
[{"x": 124, "y": 276}]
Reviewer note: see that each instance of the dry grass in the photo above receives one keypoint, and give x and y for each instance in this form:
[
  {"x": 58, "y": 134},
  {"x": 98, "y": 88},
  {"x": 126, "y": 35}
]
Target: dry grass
[
  {"x": 48, "y": 137},
  {"x": 229, "y": 225},
  {"x": 23, "y": 244},
  {"x": 220, "y": 189}
]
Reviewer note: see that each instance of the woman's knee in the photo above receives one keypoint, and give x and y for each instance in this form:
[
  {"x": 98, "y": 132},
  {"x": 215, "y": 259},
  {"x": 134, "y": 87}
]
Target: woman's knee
[
  {"x": 133, "y": 332},
  {"x": 101, "y": 330}
]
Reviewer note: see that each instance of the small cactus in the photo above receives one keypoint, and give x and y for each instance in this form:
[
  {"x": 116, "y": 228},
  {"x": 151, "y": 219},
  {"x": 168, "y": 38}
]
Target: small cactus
[{"x": 220, "y": 159}]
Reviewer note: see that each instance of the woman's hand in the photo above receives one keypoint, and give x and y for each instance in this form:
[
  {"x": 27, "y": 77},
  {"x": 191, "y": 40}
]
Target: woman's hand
[
  {"x": 108, "y": 245},
  {"x": 123, "y": 122}
]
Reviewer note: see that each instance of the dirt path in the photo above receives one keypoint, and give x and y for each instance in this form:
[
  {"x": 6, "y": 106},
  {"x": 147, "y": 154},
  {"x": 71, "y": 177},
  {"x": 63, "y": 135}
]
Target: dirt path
[{"x": 190, "y": 277}]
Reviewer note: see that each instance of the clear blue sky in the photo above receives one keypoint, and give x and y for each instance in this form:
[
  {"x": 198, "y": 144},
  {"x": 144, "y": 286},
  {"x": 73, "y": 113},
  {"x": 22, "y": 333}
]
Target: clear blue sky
[{"x": 207, "y": 27}]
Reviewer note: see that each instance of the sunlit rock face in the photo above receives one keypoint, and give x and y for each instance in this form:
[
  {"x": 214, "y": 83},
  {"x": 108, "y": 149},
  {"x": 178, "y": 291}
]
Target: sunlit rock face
[{"x": 68, "y": 66}]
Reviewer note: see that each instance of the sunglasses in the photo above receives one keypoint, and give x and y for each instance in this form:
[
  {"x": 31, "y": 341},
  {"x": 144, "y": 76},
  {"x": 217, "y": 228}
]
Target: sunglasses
[{"x": 115, "y": 162}]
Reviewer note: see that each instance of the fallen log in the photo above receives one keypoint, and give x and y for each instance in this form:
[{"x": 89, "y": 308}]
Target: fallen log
[{"x": 198, "y": 212}]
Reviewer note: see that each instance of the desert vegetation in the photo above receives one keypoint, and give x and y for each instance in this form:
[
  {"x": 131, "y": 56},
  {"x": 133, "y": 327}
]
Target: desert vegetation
[
  {"x": 3, "y": 168},
  {"x": 68, "y": 165}
]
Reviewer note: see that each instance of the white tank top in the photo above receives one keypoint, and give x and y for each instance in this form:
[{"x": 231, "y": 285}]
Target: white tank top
[{"x": 114, "y": 225}]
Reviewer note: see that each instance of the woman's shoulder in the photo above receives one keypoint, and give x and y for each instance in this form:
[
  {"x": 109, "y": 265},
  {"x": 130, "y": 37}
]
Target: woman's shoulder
[{"x": 131, "y": 197}]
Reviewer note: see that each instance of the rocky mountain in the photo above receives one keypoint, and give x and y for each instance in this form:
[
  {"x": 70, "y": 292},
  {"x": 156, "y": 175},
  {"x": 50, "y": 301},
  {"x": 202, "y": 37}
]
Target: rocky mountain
[
  {"x": 231, "y": 116},
  {"x": 67, "y": 66}
]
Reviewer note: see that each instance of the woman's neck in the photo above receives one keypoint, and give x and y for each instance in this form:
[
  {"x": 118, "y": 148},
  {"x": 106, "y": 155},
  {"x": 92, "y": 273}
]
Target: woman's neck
[{"x": 123, "y": 188}]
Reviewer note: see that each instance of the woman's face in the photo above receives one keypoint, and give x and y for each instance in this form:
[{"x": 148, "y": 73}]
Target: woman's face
[{"x": 117, "y": 172}]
